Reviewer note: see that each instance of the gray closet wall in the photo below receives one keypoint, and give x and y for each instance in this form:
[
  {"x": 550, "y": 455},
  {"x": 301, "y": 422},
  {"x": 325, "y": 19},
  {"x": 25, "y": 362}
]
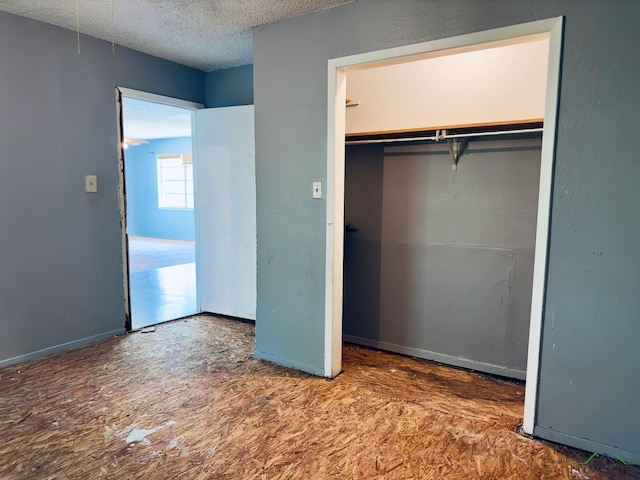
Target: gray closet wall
[{"x": 441, "y": 263}]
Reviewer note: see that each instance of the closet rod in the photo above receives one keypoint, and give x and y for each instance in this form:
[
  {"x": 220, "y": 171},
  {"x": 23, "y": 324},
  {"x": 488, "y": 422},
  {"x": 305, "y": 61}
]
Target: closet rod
[
  {"x": 441, "y": 136},
  {"x": 485, "y": 134},
  {"x": 389, "y": 140}
]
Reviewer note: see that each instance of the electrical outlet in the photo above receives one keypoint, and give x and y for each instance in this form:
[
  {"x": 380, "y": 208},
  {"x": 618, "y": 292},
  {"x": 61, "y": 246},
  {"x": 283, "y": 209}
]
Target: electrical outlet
[
  {"x": 317, "y": 189},
  {"x": 91, "y": 183}
]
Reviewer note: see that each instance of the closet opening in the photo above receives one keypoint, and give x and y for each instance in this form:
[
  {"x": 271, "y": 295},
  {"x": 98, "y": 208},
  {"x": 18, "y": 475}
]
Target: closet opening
[{"x": 439, "y": 173}]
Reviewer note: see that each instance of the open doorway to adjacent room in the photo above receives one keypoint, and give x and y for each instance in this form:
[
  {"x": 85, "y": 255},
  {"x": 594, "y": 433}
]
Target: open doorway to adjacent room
[{"x": 160, "y": 211}]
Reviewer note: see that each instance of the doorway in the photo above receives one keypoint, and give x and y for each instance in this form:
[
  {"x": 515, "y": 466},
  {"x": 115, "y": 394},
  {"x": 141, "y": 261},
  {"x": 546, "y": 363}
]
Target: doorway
[
  {"x": 440, "y": 247},
  {"x": 338, "y": 69},
  {"x": 222, "y": 197},
  {"x": 159, "y": 208}
]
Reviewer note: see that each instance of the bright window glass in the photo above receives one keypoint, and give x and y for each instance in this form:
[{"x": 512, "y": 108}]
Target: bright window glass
[{"x": 175, "y": 182}]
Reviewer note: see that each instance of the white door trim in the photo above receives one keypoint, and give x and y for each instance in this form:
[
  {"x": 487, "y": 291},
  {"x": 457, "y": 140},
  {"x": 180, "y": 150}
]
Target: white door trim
[
  {"x": 542, "y": 230},
  {"x": 335, "y": 183},
  {"x": 152, "y": 97}
]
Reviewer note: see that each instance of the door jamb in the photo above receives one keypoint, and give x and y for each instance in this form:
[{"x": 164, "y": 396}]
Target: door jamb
[{"x": 334, "y": 273}]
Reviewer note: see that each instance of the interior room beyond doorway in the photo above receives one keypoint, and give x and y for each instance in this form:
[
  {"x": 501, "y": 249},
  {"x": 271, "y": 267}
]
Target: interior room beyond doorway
[{"x": 160, "y": 219}]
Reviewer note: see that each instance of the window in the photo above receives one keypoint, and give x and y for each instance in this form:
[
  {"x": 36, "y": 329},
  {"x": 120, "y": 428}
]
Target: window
[{"x": 175, "y": 181}]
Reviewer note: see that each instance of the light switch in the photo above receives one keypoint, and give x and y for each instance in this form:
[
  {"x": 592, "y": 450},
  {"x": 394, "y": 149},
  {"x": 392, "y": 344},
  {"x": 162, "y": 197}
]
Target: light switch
[
  {"x": 317, "y": 189},
  {"x": 91, "y": 183}
]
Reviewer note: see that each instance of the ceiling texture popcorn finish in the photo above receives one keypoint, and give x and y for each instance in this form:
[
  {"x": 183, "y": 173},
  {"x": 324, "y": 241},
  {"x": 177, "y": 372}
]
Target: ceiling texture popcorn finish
[{"x": 204, "y": 34}]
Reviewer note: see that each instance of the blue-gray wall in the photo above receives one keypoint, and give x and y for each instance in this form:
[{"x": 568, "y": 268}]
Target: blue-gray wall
[
  {"x": 60, "y": 248},
  {"x": 589, "y": 378},
  {"x": 229, "y": 87},
  {"x": 144, "y": 218}
]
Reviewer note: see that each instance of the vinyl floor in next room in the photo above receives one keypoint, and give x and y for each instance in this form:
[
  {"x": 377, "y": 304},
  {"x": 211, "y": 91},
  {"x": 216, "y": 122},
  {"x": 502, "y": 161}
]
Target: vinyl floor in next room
[{"x": 162, "y": 280}]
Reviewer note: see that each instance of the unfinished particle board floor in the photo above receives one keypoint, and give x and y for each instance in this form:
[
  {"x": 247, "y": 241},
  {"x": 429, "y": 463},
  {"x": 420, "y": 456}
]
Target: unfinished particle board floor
[{"x": 188, "y": 401}]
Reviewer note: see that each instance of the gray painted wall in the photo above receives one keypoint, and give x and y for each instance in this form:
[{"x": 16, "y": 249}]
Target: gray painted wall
[
  {"x": 60, "y": 249},
  {"x": 362, "y": 247},
  {"x": 455, "y": 252},
  {"x": 589, "y": 377},
  {"x": 229, "y": 87}
]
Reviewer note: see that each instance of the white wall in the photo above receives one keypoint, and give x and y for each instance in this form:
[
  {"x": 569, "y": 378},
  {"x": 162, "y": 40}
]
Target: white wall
[{"x": 500, "y": 84}]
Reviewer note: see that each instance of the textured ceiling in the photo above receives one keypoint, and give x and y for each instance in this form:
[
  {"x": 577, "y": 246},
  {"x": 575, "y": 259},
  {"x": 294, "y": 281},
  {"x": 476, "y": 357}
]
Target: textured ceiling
[{"x": 204, "y": 34}]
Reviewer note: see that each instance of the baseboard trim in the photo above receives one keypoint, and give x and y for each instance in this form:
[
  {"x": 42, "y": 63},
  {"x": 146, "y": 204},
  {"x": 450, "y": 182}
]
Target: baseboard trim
[
  {"x": 586, "y": 444},
  {"x": 312, "y": 369},
  {"x": 250, "y": 317},
  {"x": 439, "y": 357},
  {"x": 60, "y": 348}
]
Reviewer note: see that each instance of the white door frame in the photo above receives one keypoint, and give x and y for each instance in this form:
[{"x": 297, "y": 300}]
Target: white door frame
[
  {"x": 122, "y": 200},
  {"x": 334, "y": 274}
]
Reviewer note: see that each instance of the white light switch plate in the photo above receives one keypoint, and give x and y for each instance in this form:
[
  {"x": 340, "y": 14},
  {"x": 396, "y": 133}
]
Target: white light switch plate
[
  {"x": 91, "y": 183},
  {"x": 317, "y": 189}
]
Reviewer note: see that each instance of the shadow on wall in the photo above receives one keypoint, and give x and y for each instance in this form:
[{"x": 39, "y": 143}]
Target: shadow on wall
[{"x": 362, "y": 245}]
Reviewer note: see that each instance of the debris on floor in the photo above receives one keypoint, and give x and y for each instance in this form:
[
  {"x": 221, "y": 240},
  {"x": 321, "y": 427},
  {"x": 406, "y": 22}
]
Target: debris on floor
[{"x": 190, "y": 402}]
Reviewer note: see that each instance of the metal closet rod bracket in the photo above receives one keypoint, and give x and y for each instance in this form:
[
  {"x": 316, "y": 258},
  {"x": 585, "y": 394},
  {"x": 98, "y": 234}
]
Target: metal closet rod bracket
[{"x": 456, "y": 147}]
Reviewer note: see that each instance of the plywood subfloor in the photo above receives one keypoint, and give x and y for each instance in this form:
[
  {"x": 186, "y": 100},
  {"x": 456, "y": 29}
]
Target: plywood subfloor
[{"x": 188, "y": 401}]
